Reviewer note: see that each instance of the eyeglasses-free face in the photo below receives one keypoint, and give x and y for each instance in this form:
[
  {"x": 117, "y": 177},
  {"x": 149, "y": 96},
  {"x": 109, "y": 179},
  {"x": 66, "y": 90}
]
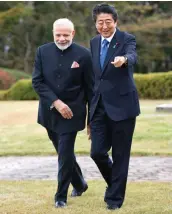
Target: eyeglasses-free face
[{"x": 105, "y": 24}]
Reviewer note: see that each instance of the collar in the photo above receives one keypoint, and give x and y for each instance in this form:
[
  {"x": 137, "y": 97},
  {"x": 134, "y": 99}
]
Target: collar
[
  {"x": 109, "y": 38},
  {"x": 64, "y": 49}
]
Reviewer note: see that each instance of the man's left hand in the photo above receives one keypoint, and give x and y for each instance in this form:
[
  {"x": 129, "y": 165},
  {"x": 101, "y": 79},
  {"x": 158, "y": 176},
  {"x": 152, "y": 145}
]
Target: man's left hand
[{"x": 118, "y": 61}]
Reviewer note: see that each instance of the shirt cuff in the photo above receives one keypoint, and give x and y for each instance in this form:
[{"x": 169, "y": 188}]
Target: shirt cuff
[{"x": 52, "y": 106}]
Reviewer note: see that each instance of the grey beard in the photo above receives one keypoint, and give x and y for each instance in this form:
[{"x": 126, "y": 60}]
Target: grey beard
[{"x": 63, "y": 47}]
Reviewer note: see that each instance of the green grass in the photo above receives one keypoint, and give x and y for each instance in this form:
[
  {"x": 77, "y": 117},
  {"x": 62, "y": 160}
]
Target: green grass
[
  {"x": 17, "y": 74},
  {"x": 21, "y": 135},
  {"x": 36, "y": 197}
]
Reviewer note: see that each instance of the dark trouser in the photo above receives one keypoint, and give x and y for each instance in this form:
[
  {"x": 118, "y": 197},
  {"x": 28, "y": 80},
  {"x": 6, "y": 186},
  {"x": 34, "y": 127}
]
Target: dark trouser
[
  {"x": 106, "y": 134},
  {"x": 68, "y": 169}
]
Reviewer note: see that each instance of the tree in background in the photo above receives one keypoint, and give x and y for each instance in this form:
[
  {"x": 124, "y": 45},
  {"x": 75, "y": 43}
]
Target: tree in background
[{"x": 26, "y": 25}]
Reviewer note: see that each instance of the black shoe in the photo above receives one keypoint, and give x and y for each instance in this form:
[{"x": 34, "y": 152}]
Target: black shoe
[
  {"x": 60, "y": 204},
  {"x": 112, "y": 207},
  {"x": 107, "y": 188},
  {"x": 76, "y": 193}
]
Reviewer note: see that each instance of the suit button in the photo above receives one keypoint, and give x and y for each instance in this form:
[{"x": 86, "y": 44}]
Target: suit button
[
  {"x": 101, "y": 80},
  {"x": 58, "y": 86},
  {"x": 60, "y": 64}
]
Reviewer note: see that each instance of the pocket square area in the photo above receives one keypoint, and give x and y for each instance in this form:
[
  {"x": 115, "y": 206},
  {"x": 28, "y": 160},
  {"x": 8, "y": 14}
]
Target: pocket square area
[{"x": 75, "y": 65}]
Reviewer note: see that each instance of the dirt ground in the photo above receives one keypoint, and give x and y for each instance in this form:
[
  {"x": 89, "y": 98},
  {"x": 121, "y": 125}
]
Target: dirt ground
[{"x": 18, "y": 112}]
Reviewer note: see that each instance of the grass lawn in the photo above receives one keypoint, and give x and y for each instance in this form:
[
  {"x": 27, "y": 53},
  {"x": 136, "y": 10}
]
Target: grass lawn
[
  {"x": 37, "y": 197},
  {"x": 21, "y": 135}
]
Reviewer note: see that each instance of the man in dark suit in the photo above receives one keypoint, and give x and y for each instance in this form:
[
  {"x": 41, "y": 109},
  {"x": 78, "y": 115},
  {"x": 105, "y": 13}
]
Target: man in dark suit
[
  {"x": 63, "y": 79},
  {"x": 115, "y": 104}
]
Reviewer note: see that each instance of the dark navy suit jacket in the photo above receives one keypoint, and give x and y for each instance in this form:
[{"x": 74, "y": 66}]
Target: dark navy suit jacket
[
  {"x": 115, "y": 85},
  {"x": 53, "y": 78}
]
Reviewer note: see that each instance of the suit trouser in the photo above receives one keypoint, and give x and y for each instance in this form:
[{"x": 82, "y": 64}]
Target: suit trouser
[
  {"x": 107, "y": 134},
  {"x": 68, "y": 168}
]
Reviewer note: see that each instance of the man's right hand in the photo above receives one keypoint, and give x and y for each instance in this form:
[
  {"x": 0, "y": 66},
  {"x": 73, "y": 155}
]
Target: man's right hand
[{"x": 63, "y": 109}]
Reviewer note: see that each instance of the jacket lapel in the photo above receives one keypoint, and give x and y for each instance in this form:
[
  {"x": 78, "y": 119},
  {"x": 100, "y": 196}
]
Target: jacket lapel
[{"x": 114, "y": 47}]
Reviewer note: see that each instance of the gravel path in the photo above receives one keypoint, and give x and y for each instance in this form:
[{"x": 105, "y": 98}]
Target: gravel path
[{"x": 45, "y": 168}]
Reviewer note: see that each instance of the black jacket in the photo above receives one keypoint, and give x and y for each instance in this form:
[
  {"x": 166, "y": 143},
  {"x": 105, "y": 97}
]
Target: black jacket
[
  {"x": 115, "y": 85},
  {"x": 53, "y": 78}
]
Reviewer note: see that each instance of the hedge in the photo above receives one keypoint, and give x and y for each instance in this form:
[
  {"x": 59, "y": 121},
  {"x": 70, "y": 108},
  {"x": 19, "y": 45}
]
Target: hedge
[
  {"x": 6, "y": 80},
  {"x": 154, "y": 85},
  {"x": 2, "y": 94},
  {"x": 150, "y": 86},
  {"x": 21, "y": 90},
  {"x": 9, "y": 76}
]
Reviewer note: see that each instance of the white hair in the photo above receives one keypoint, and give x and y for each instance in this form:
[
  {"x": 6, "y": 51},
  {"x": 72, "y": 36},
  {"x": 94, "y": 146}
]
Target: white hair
[{"x": 64, "y": 22}]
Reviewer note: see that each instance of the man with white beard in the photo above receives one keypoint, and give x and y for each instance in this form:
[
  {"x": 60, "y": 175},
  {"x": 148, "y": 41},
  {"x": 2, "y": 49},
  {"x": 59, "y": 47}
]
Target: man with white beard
[{"x": 63, "y": 79}]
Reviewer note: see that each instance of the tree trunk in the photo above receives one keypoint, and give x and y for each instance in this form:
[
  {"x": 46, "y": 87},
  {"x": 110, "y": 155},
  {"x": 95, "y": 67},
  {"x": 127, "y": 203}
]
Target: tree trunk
[{"x": 27, "y": 66}]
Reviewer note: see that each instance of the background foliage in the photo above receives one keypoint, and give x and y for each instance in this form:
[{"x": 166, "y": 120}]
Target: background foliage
[
  {"x": 149, "y": 86},
  {"x": 26, "y": 25}
]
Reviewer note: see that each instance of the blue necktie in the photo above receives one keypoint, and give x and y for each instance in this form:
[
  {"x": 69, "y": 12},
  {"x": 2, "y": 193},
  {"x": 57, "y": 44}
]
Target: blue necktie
[{"x": 103, "y": 53}]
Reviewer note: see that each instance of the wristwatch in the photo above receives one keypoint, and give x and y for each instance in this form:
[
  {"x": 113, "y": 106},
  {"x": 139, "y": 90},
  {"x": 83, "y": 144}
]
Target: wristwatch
[{"x": 126, "y": 60}]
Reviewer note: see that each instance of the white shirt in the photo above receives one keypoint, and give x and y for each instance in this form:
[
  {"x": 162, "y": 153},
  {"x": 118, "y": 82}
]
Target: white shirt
[{"x": 108, "y": 39}]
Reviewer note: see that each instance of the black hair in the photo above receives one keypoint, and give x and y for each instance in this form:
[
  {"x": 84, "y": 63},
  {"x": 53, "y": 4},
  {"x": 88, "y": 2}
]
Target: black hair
[{"x": 104, "y": 8}]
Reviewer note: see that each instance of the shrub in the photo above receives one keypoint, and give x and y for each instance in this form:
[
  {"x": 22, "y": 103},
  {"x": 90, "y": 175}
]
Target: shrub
[
  {"x": 21, "y": 90},
  {"x": 150, "y": 86},
  {"x": 6, "y": 80},
  {"x": 154, "y": 85},
  {"x": 17, "y": 74},
  {"x": 2, "y": 94}
]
